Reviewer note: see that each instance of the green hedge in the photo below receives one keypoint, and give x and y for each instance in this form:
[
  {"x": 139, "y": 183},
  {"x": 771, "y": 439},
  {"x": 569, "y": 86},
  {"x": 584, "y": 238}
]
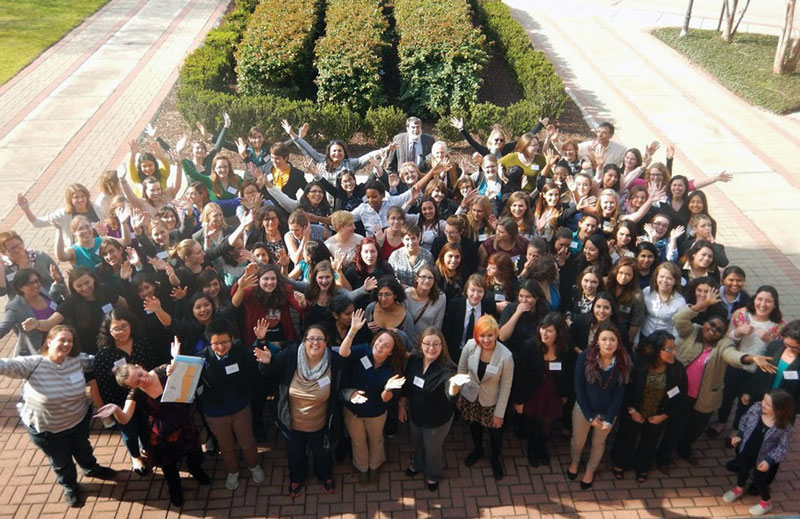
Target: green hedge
[
  {"x": 534, "y": 73},
  {"x": 275, "y": 55},
  {"x": 441, "y": 55},
  {"x": 349, "y": 58}
]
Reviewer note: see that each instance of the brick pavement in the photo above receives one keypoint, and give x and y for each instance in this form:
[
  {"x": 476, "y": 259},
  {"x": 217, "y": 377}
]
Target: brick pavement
[{"x": 27, "y": 486}]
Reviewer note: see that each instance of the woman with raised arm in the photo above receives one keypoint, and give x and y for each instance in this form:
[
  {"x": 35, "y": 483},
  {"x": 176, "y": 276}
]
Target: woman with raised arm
[
  {"x": 497, "y": 143},
  {"x": 16, "y": 257},
  {"x": 78, "y": 202}
]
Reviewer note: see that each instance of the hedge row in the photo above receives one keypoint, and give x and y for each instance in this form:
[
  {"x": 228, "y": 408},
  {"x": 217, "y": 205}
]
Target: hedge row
[
  {"x": 441, "y": 55},
  {"x": 275, "y": 55},
  {"x": 349, "y": 58},
  {"x": 534, "y": 73}
]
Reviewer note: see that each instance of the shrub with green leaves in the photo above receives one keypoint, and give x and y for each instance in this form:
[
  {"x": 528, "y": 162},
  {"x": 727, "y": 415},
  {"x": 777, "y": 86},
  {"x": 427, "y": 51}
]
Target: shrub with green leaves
[
  {"x": 349, "y": 58},
  {"x": 275, "y": 55},
  {"x": 441, "y": 55},
  {"x": 384, "y": 122}
]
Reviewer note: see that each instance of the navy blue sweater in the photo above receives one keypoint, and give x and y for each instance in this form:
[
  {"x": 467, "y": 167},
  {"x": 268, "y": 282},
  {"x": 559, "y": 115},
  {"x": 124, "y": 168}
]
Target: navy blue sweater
[{"x": 593, "y": 399}]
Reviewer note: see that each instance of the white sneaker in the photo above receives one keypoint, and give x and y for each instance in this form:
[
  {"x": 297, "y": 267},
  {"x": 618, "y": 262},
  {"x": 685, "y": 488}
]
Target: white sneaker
[
  {"x": 760, "y": 509},
  {"x": 731, "y": 496},
  {"x": 258, "y": 474},
  {"x": 232, "y": 481}
]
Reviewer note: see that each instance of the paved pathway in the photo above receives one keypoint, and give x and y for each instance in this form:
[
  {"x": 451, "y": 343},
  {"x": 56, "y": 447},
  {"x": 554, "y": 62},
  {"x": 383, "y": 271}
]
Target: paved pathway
[{"x": 66, "y": 118}]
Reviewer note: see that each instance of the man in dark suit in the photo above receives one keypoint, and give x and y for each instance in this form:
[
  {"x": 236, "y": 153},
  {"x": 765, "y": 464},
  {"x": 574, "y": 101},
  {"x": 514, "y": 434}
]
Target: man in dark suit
[{"x": 413, "y": 146}]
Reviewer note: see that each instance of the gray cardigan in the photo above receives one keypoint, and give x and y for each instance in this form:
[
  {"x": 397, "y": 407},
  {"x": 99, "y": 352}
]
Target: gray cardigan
[
  {"x": 28, "y": 343},
  {"x": 42, "y": 267}
]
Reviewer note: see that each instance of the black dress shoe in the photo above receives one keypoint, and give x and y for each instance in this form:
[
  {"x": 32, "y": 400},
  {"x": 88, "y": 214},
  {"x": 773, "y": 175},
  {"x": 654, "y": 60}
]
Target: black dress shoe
[
  {"x": 472, "y": 457},
  {"x": 433, "y": 487},
  {"x": 411, "y": 472},
  {"x": 586, "y": 486},
  {"x": 533, "y": 461},
  {"x": 497, "y": 469},
  {"x": 73, "y": 498},
  {"x": 201, "y": 477},
  {"x": 572, "y": 475},
  {"x": 100, "y": 472}
]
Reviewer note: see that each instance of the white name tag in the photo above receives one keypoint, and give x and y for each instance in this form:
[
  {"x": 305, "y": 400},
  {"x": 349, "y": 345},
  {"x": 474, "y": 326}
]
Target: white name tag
[
  {"x": 674, "y": 391},
  {"x": 419, "y": 382},
  {"x": 11, "y": 275},
  {"x": 790, "y": 375},
  {"x": 53, "y": 305},
  {"x": 76, "y": 377},
  {"x": 366, "y": 363},
  {"x": 200, "y": 390},
  {"x": 106, "y": 308},
  {"x": 491, "y": 369},
  {"x": 499, "y": 297},
  {"x": 515, "y": 259},
  {"x": 232, "y": 190},
  {"x": 119, "y": 363},
  {"x": 535, "y": 167},
  {"x": 555, "y": 366},
  {"x": 483, "y": 237},
  {"x": 324, "y": 381},
  {"x": 270, "y": 177},
  {"x": 574, "y": 244},
  {"x": 162, "y": 255},
  {"x": 233, "y": 368}
]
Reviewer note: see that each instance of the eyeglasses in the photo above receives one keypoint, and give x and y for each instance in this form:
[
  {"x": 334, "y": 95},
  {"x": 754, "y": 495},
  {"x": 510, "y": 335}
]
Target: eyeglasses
[
  {"x": 220, "y": 343},
  {"x": 432, "y": 345},
  {"x": 32, "y": 282},
  {"x": 384, "y": 295},
  {"x": 425, "y": 278},
  {"x": 120, "y": 328},
  {"x": 316, "y": 340},
  {"x": 270, "y": 219}
]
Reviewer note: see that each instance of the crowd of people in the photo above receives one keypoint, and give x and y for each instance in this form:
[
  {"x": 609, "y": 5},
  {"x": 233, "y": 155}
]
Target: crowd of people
[{"x": 548, "y": 287}]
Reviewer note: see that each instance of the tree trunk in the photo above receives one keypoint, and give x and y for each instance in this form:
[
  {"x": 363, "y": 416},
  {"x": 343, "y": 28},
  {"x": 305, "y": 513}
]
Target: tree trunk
[
  {"x": 687, "y": 18},
  {"x": 782, "y": 62}
]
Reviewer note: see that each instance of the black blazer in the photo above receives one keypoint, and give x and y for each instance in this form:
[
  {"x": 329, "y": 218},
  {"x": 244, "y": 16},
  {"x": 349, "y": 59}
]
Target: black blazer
[
  {"x": 676, "y": 377},
  {"x": 399, "y": 156},
  {"x": 761, "y": 382},
  {"x": 453, "y": 326},
  {"x": 469, "y": 248}
]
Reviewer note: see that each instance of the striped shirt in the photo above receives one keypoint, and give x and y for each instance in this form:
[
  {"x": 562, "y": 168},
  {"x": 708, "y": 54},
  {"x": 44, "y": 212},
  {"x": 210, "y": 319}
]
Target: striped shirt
[{"x": 54, "y": 396}]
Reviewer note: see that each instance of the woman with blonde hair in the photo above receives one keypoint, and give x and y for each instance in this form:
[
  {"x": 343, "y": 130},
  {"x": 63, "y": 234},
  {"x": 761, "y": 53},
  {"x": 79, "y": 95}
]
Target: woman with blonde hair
[
  {"x": 518, "y": 207},
  {"x": 548, "y": 211},
  {"x": 479, "y": 217},
  {"x": 77, "y": 202},
  {"x": 527, "y": 156}
]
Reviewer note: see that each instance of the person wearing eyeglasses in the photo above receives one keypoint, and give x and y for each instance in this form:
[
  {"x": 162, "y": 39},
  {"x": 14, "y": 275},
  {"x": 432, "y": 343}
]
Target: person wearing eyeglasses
[
  {"x": 497, "y": 143},
  {"x": 424, "y": 302},
  {"x": 30, "y": 304},
  {"x": 431, "y": 386},
  {"x": 309, "y": 375},
  {"x": 655, "y": 393},
  {"x": 15, "y": 257}
]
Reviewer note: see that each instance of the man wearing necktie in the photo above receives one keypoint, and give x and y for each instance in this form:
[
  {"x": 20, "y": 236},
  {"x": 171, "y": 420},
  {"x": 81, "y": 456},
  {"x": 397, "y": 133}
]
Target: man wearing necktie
[{"x": 413, "y": 146}]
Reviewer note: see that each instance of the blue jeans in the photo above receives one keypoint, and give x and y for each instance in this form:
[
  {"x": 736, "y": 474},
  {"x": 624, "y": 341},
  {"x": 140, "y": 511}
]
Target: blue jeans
[
  {"x": 134, "y": 434},
  {"x": 60, "y": 448}
]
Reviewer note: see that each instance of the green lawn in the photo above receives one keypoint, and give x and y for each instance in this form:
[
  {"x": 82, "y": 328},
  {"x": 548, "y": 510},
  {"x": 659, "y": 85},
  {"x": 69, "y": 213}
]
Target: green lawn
[
  {"x": 28, "y": 27},
  {"x": 744, "y": 66}
]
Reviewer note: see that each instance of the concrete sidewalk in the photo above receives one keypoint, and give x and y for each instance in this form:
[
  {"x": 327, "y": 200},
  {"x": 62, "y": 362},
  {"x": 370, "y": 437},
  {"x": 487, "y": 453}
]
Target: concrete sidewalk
[{"x": 616, "y": 71}]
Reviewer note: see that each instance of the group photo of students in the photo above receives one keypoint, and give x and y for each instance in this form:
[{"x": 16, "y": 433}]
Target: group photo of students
[{"x": 347, "y": 306}]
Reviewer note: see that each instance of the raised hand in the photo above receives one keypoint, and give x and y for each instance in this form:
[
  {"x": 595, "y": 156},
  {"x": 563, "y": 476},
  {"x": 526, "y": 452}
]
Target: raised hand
[
  {"x": 151, "y": 304},
  {"x": 175, "y": 347},
  {"x": 370, "y": 283},
  {"x": 394, "y": 383},
  {"x": 22, "y": 201},
  {"x": 302, "y": 131},
  {"x": 137, "y": 218},
  {"x": 226, "y": 120},
  {"x": 357, "y": 321},
  {"x": 56, "y": 275},
  {"x": 181, "y": 144},
  {"x": 241, "y": 147},
  {"x": 150, "y": 130},
  {"x": 724, "y": 176},
  {"x": 287, "y": 128},
  {"x": 202, "y": 129},
  {"x": 457, "y": 123},
  {"x": 133, "y": 146},
  {"x": 125, "y": 270},
  {"x": 670, "y": 151},
  {"x": 264, "y": 356},
  {"x": 460, "y": 379},
  {"x": 571, "y": 183},
  {"x": 651, "y": 149},
  {"x": 133, "y": 256},
  {"x": 261, "y": 328},
  {"x": 677, "y": 232},
  {"x": 157, "y": 263},
  {"x": 179, "y": 293}
]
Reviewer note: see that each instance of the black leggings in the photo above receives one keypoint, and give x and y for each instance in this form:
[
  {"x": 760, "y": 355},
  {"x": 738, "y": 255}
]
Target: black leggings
[
  {"x": 495, "y": 439},
  {"x": 194, "y": 462},
  {"x": 761, "y": 480}
]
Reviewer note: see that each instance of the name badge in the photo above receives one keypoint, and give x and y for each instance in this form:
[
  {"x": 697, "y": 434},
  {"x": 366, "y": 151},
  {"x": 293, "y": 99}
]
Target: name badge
[
  {"x": 233, "y": 368},
  {"x": 515, "y": 259},
  {"x": 555, "y": 366},
  {"x": 674, "y": 391},
  {"x": 483, "y": 237},
  {"x": 270, "y": 177},
  {"x": 365, "y": 362},
  {"x": 76, "y": 377},
  {"x": 200, "y": 390},
  {"x": 574, "y": 244},
  {"x": 499, "y": 297},
  {"x": 232, "y": 190},
  {"x": 535, "y": 167},
  {"x": 324, "y": 381},
  {"x": 419, "y": 382},
  {"x": 11, "y": 275},
  {"x": 162, "y": 255},
  {"x": 53, "y": 306},
  {"x": 790, "y": 375},
  {"x": 119, "y": 363},
  {"x": 106, "y": 308},
  {"x": 492, "y": 369}
]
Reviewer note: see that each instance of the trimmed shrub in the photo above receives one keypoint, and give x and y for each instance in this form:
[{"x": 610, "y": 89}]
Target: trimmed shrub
[
  {"x": 275, "y": 55},
  {"x": 441, "y": 55},
  {"x": 384, "y": 122},
  {"x": 349, "y": 57}
]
